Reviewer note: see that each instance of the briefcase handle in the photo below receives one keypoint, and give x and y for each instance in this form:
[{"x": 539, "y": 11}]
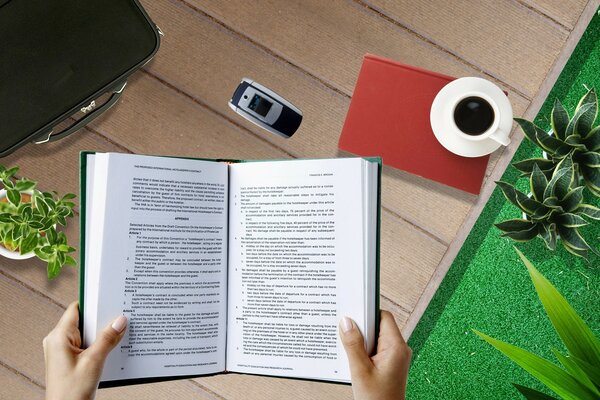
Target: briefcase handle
[{"x": 116, "y": 94}]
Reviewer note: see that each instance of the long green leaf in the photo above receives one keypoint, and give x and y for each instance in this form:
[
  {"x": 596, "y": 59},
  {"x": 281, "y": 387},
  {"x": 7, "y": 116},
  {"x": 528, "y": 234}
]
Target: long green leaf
[
  {"x": 573, "y": 199},
  {"x": 518, "y": 198},
  {"x": 575, "y": 334},
  {"x": 592, "y": 371},
  {"x": 592, "y": 140},
  {"x": 537, "y": 183},
  {"x": 571, "y": 220},
  {"x": 576, "y": 371},
  {"x": 590, "y": 159},
  {"x": 572, "y": 237},
  {"x": 548, "y": 233},
  {"x": 574, "y": 251},
  {"x": 557, "y": 379},
  {"x": 532, "y": 394},
  {"x": 526, "y": 166},
  {"x": 547, "y": 142},
  {"x": 528, "y": 129},
  {"x": 523, "y": 236},
  {"x": 589, "y": 211},
  {"x": 559, "y": 119},
  {"x": 592, "y": 179},
  {"x": 514, "y": 225},
  {"x": 561, "y": 175}
]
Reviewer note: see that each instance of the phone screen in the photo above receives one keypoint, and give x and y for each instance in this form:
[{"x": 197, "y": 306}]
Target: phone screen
[{"x": 260, "y": 105}]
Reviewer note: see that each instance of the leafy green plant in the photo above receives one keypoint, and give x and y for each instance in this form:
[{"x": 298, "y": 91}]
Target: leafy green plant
[
  {"x": 555, "y": 208},
  {"x": 579, "y": 377},
  {"x": 28, "y": 221},
  {"x": 574, "y": 137}
]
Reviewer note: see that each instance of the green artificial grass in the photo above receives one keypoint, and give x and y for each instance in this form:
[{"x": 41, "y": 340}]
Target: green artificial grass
[{"x": 488, "y": 288}]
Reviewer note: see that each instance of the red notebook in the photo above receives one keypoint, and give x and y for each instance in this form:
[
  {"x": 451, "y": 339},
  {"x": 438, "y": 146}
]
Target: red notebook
[{"x": 389, "y": 117}]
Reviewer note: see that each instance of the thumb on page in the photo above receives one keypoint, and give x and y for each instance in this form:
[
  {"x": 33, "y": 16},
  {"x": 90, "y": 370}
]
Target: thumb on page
[
  {"x": 107, "y": 339},
  {"x": 353, "y": 342}
]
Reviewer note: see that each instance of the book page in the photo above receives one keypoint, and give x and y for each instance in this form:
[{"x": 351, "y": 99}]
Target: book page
[
  {"x": 296, "y": 266},
  {"x": 161, "y": 261}
]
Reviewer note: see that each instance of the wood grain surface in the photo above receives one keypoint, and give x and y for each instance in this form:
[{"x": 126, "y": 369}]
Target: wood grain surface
[{"x": 311, "y": 52}]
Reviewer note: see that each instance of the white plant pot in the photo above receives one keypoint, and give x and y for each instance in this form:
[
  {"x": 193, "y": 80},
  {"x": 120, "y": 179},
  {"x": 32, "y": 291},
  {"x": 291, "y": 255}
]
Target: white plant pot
[{"x": 14, "y": 255}]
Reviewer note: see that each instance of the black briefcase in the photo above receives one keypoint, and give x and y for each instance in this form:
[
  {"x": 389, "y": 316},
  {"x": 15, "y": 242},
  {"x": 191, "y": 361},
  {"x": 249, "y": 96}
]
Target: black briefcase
[{"x": 59, "y": 57}]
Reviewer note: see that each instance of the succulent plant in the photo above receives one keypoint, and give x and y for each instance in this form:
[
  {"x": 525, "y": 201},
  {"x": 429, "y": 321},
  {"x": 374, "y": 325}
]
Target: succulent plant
[
  {"x": 574, "y": 137},
  {"x": 555, "y": 208},
  {"x": 28, "y": 221}
]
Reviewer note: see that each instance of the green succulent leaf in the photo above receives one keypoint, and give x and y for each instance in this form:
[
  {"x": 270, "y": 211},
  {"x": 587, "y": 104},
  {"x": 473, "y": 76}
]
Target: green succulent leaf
[
  {"x": 5, "y": 218},
  {"x": 548, "y": 142},
  {"x": 518, "y": 198},
  {"x": 581, "y": 123},
  {"x": 538, "y": 183},
  {"x": 560, "y": 183},
  {"x": 592, "y": 140},
  {"x": 41, "y": 255},
  {"x": 589, "y": 211},
  {"x": 16, "y": 234},
  {"x": 589, "y": 159},
  {"x": 588, "y": 108},
  {"x": 515, "y": 225},
  {"x": 559, "y": 119},
  {"x": 24, "y": 185},
  {"x": 54, "y": 267},
  {"x": 576, "y": 371},
  {"x": 70, "y": 261},
  {"x": 524, "y": 235},
  {"x": 41, "y": 205},
  {"x": 563, "y": 151},
  {"x": 529, "y": 130},
  {"x": 572, "y": 237},
  {"x": 52, "y": 236},
  {"x": 29, "y": 243},
  {"x": 570, "y": 220},
  {"x": 526, "y": 166},
  {"x": 548, "y": 234},
  {"x": 14, "y": 196},
  {"x": 575, "y": 141},
  {"x": 542, "y": 213},
  {"x": 557, "y": 380},
  {"x": 591, "y": 177},
  {"x": 573, "y": 199},
  {"x": 573, "y": 331}
]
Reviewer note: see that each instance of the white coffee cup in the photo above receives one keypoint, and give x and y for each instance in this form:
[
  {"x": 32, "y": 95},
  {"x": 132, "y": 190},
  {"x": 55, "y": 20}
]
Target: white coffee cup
[
  {"x": 471, "y": 117},
  {"x": 492, "y": 131}
]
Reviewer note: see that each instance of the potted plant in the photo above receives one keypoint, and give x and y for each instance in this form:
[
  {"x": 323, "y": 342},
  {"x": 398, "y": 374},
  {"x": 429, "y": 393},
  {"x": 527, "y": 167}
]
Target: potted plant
[
  {"x": 554, "y": 209},
  {"x": 574, "y": 137},
  {"x": 28, "y": 222},
  {"x": 579, "y": 377}
]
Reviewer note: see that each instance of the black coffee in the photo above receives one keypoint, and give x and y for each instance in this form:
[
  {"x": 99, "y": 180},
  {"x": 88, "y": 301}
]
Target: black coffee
[{"x": 473, "y": 115}]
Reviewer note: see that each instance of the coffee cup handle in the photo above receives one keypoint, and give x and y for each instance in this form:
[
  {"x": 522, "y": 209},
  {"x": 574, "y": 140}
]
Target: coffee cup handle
[{"x": 500, "y": 137}]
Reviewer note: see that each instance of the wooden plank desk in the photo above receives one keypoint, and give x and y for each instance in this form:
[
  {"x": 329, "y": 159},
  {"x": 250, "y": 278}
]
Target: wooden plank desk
[{"x": 310, "y": 51}]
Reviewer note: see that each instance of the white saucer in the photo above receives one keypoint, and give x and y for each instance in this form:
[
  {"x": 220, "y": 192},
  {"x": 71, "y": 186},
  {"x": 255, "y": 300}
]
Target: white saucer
[{"x": 442, "y": 116}]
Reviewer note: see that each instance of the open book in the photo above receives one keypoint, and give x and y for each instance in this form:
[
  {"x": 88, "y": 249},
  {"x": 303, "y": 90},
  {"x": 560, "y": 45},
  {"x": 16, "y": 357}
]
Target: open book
[{"x": 228, "y": 266}]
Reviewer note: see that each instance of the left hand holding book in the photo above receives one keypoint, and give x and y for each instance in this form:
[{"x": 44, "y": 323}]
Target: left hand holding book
[{"x": 71, "y": 372}]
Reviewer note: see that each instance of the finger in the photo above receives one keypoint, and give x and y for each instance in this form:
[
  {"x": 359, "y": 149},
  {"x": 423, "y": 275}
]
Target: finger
[
  {"x": 70, "y": 318},
  {"x": 354, "y": 344},
  {"x": 389, "y": 334},
  {"x": 107, "y": 339}
]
